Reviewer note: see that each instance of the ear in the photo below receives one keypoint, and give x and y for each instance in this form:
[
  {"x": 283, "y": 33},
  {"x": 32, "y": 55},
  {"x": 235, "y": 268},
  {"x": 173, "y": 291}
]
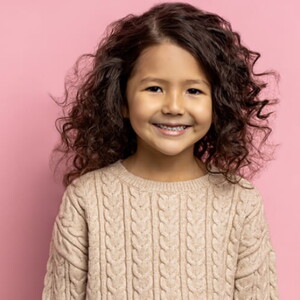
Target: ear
[{"x": 125, "y": 112}]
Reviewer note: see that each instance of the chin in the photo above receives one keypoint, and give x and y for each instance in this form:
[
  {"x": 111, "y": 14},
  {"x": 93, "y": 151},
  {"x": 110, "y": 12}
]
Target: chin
[{"x": 170, "y": 152}]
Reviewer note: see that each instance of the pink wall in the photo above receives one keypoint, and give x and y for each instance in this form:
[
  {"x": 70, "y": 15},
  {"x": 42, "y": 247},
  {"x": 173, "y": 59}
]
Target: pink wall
[{"x": 40, "y": 41}]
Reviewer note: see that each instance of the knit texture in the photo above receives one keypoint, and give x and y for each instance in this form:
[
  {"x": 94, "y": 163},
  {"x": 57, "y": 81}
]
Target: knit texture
[{"x": 119, "y": 236}]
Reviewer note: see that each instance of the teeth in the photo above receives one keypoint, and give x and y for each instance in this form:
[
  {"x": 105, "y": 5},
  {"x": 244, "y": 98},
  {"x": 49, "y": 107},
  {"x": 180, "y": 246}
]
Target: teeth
[{"x": 171, "y": 128}]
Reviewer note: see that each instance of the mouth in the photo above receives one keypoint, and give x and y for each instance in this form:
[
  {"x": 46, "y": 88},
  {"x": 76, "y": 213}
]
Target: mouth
[
  {"x": 172, "y": 127},
  {"x": 171, "y": 130}
]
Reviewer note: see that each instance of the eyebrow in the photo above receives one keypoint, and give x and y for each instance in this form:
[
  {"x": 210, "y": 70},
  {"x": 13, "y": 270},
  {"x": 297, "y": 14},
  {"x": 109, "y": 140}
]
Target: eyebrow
[{"x": 190, "y": 81}]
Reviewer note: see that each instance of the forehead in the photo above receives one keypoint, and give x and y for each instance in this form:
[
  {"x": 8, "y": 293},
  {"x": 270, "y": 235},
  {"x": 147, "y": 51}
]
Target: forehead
[{"x": 167, "y": 60}]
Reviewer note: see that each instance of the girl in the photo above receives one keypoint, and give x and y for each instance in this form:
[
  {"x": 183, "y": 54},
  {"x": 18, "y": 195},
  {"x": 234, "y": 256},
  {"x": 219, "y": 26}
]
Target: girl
[{"x": 158, "y": 133}]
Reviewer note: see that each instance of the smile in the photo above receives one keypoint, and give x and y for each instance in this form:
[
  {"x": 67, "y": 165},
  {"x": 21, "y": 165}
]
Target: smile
[
  {"x": 171, "y": 127},
  {"x": 175, "y": 130}
]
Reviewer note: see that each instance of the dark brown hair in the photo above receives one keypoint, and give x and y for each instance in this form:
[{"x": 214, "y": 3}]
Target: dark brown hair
[{"x": 93, "y": 131}]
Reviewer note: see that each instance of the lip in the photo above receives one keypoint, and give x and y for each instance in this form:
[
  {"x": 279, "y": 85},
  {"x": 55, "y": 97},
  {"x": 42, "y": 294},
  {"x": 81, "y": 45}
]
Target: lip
[
  {"x": 172, "y": 124},
  {"x": 173, "y": 133}
]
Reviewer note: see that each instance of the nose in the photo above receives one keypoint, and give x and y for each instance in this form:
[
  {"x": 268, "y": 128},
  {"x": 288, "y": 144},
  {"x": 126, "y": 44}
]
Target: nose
[{"x": 173, "y": 104}]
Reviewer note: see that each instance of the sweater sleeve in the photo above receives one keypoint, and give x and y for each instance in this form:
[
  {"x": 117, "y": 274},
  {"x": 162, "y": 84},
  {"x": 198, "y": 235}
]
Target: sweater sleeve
[
  {"x": 66, "y": 274},
  {"x": 256, "y": 277}
]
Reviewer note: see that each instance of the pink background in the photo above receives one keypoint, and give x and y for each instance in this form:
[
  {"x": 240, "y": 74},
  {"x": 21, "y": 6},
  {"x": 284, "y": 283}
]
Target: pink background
[{"x": 40, "y": 41}]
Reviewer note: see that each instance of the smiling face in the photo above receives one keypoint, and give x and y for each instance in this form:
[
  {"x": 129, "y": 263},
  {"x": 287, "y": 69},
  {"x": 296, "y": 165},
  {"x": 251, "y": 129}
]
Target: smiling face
[{"x": 169, "y": 101}]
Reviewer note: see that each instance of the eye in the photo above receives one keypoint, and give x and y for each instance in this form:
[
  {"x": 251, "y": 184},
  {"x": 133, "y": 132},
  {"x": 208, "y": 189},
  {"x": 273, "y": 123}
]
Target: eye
[
  {"x": 195, "y": 91},
  {"x": 154, "y": 89}
]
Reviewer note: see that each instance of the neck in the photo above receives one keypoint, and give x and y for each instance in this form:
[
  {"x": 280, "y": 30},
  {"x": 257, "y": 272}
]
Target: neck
[{"x": 160, "y": 167}]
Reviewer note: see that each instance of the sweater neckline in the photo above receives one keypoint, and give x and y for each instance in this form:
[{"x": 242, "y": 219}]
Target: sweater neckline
[{"x": 126, "y": 176}]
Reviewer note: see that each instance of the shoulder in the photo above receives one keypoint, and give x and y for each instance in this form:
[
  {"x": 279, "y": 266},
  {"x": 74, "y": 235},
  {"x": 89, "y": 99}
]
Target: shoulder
[
  {"x": 88, "y": 182},
  {"x": 84, "y": 191},
  {"x": 249, "y": 197},
  {"x": 244, "y": 194}
]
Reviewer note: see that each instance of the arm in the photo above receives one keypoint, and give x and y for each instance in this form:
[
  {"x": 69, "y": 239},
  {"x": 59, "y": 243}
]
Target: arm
[
  {"x": 256, "y": 274},
  {"x": 66, "y": 274}
]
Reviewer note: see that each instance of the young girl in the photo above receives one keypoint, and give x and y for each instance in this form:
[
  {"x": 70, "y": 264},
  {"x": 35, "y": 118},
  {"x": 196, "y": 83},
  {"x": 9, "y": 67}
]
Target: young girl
[{"x": 159, "y": 131}]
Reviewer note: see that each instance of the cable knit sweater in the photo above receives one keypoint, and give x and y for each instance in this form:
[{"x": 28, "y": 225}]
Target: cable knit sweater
[{"x": 119, "y": 236}]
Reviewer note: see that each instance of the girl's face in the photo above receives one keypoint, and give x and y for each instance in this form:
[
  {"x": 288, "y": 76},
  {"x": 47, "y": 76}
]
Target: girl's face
[{"x": 169, "y": 101}]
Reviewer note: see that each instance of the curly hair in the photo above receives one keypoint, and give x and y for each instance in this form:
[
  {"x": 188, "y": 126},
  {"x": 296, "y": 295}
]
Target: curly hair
[{"x": 94, "y": 132}]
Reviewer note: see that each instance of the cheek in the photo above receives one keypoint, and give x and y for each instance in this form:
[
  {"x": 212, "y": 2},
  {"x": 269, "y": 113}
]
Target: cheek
[
  {"x": 136, "y": 112},
  {"x": 203, "y": 112},
  {"x": 142, "y": 108}
]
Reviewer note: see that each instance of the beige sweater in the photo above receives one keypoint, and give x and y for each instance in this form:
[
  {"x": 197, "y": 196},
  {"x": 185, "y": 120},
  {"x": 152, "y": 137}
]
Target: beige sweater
[{"x": 119, "y": 236}]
